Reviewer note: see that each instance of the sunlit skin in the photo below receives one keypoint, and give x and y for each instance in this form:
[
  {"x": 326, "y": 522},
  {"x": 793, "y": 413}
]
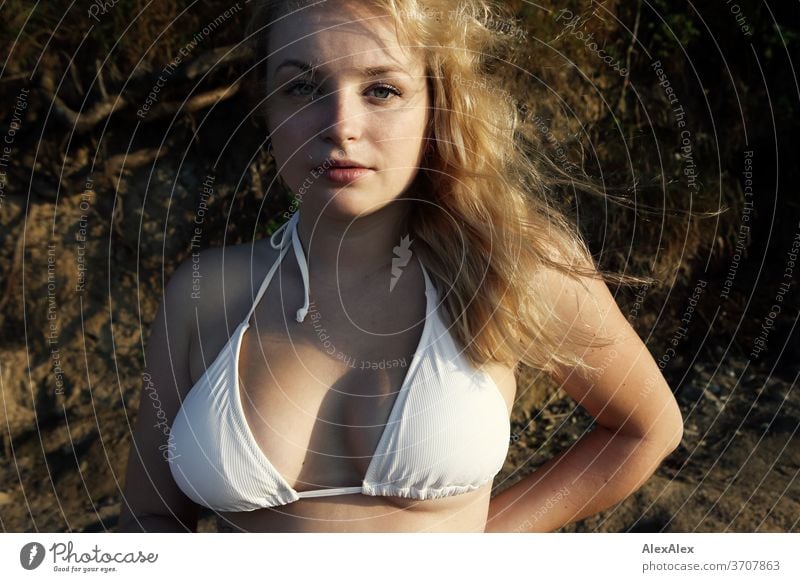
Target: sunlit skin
[{"x": 340, "y": 87}]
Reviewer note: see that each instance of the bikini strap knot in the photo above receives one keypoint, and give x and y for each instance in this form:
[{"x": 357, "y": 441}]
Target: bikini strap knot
[{"x": 286, "y": 232}]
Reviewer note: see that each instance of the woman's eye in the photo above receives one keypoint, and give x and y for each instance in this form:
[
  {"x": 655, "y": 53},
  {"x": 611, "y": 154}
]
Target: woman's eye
[
  {"x": 385, "y": 88},
  {"x": 301, "y": 89},
  {"x": 305, "y": 90}
]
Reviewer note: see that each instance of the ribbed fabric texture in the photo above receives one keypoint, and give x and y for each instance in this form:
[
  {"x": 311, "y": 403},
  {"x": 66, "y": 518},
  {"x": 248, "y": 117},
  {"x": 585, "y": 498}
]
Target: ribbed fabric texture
[{"x": 447, "y": 433}]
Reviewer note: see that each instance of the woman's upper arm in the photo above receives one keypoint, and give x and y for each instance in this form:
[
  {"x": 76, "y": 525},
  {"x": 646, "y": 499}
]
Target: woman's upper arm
[
  {"x": 627, "y": 392},
  {"x": 150, "y": 491}
]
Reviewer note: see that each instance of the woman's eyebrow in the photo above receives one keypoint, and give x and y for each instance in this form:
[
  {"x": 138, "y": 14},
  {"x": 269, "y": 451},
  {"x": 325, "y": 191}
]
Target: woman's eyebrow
[
  {"x": 378, "y": 71},
  {"x": 367, "y": 72},
  {"x": 295, "y": 63}
]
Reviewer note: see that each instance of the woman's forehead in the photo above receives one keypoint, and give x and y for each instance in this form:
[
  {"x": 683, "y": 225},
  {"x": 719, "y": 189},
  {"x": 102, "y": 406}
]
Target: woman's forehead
[{"x": 347, "y": 38}]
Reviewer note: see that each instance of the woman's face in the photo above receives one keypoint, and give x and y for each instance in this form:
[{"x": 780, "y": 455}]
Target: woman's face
[{"x": 341, "y": 88}]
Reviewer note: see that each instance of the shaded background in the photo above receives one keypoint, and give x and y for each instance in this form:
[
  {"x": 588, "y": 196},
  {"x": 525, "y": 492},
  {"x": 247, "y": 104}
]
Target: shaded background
[{"x": 98, "y": 205}]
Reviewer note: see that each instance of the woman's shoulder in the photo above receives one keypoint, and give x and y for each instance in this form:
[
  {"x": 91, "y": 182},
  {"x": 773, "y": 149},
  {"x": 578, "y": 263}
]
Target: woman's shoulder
[
  {"x": 217, "y": 284},
  {"x": 223, "y": 274},
  {"x": 575, "y": 291}
]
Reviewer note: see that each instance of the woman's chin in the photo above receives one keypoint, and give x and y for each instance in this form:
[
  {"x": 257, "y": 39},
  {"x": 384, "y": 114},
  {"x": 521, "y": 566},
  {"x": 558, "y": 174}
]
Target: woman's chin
[{"x": 348, "y": 203}]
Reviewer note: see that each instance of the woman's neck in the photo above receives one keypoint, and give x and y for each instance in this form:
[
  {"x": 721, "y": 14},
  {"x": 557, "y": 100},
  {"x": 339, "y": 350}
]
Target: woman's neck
[{"x": 359, "y": 247}]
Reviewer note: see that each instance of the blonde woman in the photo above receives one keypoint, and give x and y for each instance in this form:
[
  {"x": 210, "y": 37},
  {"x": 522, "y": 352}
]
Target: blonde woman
[{"x": 369, "y": 382}]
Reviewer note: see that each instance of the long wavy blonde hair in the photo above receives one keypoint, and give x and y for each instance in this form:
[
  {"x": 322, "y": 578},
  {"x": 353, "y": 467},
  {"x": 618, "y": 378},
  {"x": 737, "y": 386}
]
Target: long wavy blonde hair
[{"x": 490, "y": 222}]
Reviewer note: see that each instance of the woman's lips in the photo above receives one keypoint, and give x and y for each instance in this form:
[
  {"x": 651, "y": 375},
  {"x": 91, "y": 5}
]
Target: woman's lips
[{"x": 344, "y": 175}]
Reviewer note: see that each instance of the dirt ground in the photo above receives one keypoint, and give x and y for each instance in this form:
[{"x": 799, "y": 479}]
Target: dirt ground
[{"x": 736, "y": 469}]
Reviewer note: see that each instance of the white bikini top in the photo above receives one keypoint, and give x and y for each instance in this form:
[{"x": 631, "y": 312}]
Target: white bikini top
[{"x": 447, "y": 433}]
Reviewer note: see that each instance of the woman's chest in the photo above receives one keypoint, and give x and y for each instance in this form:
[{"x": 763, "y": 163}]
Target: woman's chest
[
  {"x": 324, "y": 398},
  {"x": 317, "y": 404}
]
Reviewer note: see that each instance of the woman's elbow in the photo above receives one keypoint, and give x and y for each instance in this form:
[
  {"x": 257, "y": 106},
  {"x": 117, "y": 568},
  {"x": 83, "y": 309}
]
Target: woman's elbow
[{"x": 668, "y": 432}]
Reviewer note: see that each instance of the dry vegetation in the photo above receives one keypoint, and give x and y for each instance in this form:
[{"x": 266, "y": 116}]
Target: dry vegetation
[{"x": 84, "y": 163}]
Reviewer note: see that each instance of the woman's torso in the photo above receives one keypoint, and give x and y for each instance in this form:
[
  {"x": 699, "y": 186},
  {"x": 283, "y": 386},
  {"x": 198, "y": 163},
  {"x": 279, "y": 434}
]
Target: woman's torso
[{"x": 316, "y": 395}]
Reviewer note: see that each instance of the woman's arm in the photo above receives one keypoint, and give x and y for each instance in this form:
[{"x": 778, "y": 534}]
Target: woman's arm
[
  {"x": 151, "y": 501},
  {"x": 638, "y": 421}
]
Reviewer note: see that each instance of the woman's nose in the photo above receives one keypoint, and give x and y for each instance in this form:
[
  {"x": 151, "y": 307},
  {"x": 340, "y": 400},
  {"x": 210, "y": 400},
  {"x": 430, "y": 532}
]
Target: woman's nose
[{"x": 342, "y": 117}]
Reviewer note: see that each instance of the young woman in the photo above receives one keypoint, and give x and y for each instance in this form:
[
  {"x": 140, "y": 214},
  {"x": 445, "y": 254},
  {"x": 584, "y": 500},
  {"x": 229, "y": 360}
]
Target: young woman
[{"x": 369, "y": 382}]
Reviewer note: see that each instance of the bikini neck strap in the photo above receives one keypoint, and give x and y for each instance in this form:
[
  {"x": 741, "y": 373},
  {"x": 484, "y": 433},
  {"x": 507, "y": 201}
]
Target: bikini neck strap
[
  {"x": 287, "y": 232},
  {"x": 281, "y": 238}
]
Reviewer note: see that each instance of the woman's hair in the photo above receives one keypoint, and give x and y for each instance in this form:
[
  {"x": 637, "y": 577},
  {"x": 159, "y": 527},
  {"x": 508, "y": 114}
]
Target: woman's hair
[{"x": 489, "y": 222}]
